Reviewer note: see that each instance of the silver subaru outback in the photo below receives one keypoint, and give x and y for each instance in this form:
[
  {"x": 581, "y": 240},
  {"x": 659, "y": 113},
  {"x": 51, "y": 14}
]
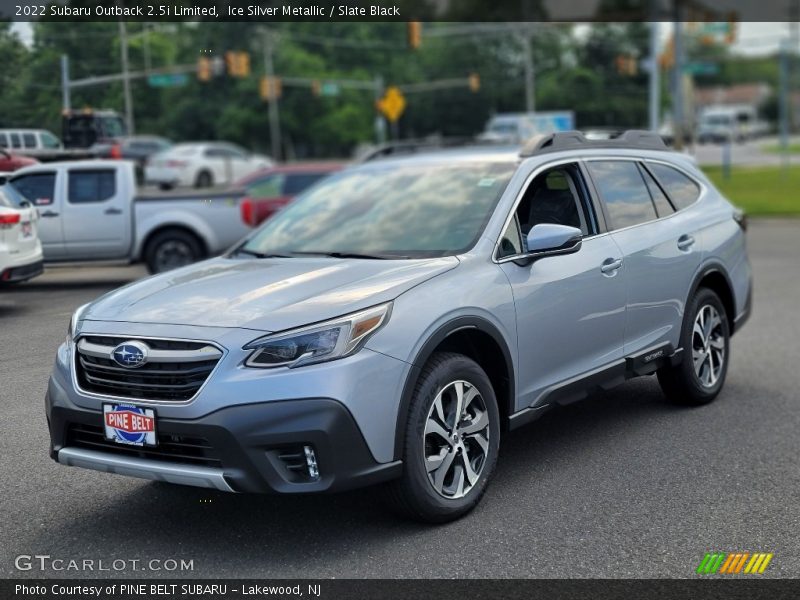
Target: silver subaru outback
[{"x": 396, "y": 319}]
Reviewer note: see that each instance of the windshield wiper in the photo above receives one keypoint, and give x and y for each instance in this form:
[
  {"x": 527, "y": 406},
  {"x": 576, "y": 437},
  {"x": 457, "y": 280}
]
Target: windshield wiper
[
  {"x": 261, "y": 254},
  {"x": 353, "y": 255}
]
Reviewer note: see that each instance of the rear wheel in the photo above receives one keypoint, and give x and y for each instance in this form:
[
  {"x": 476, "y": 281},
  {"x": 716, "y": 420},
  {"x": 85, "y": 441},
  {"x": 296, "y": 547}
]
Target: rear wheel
[
  {"x": 705, "y": 339},
  {"x": 171, "y": 249},
  {"x": 451, "y": 441},
  {"x": 204, "y": 180}
]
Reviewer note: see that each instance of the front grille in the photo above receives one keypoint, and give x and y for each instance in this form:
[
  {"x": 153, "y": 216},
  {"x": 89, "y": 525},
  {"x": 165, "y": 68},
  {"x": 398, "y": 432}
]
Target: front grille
[
  {"x": 171, "y": 448},
  {"x": 175, "y": 371}
]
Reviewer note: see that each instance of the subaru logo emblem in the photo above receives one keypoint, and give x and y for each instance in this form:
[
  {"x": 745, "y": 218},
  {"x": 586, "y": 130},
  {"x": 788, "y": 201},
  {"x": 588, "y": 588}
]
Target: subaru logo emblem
[{"x": 130, "y": 354}]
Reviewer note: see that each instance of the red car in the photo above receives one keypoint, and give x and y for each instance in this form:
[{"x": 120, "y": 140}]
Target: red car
[
  {"x": 269, "y": 190},
  {"x": 11, "y": 162}
]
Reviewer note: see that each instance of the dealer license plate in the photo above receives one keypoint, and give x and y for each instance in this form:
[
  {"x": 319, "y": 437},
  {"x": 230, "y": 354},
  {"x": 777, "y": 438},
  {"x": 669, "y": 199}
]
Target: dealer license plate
[{"x": 130, "y": 425}]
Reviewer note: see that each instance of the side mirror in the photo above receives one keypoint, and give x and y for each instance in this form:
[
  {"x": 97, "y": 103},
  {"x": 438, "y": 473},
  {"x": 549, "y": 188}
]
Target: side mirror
[{"x": 549, "y": 239}]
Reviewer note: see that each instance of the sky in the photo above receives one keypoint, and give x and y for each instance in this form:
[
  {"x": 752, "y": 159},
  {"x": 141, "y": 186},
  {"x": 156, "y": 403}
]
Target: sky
[{"x": 752, "y": 39}]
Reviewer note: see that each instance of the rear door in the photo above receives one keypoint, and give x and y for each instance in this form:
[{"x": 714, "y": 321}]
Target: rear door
[
  {"x": 97, "y": 214},
  {"x": 659, "y": 257},
  {"x": 39, "y": 189}
]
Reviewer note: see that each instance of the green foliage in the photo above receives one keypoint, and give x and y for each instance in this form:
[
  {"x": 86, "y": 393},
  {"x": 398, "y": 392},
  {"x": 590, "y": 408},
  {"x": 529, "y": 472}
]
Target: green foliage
[{"x": 760, "y": 190}]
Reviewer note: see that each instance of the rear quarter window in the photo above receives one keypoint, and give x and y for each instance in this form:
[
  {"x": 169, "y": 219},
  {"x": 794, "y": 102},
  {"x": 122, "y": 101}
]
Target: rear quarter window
[{"x": 682, "y": 190}]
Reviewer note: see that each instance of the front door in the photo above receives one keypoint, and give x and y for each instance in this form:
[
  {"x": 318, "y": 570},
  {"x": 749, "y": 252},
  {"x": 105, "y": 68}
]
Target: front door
[{"x": 571, "y": 308}]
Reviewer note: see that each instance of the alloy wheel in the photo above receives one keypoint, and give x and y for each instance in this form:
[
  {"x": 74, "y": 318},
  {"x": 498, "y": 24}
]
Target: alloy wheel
[
  {"x": 708, "y": 346},
  {"x": 456, "y": 439}
]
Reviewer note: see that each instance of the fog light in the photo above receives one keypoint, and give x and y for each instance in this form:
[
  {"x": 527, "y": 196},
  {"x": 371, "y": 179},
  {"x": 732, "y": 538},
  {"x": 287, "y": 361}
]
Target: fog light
[{"x": 311, "y": 462}]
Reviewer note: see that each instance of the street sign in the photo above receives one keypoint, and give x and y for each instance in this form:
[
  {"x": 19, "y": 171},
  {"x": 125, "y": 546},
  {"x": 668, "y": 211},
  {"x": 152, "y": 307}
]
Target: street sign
[
  {"x": 329, "y": 88},
  {"x": 162, "y": 80},
  {"x": 701, "y": 68},
  {"x": 392, "y": 104}
]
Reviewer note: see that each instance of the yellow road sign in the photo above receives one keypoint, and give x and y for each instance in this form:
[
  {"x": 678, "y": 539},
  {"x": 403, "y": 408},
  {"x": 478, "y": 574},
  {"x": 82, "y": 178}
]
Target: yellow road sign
[{"x": 392, "y": 104}]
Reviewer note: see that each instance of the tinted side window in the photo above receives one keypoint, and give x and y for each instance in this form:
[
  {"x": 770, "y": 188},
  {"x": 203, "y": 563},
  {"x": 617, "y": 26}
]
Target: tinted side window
[
  {"x": 624, "y": 192},
  {"x": 3, "y": 140},
  {"x": 36, "y": 188},
  {"x": 295, "y": 184},
  {"x": 682, "y": 191},
  {"x": 29, "y": 140},
  {"x": 91, "y": 186},
  {"x": 15, "y": 140},
  {"x": 556, "y": 196},
  {"x": 663, "y": 206}
]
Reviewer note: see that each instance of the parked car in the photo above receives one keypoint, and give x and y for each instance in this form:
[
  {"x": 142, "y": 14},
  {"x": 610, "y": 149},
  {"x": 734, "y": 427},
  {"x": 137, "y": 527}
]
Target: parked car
[
  {"x": 393, "y": 322},
  {"x": 138, "y": 148},
  {"x": 20, "y": 249},
  {"x": 90, "y": 212},
  {"x": 202, "y": 164},
  {"x": 11, "y": 162},
  {"x": 723, "y": 123},
  {"x": 29, "y": 139},
  {"x": 266, "y": 192}
]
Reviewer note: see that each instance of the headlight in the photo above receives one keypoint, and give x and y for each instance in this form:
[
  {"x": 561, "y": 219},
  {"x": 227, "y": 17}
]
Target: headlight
[
  {"x": 73, "y": 322},
  {"x": 318, "y": 343}
]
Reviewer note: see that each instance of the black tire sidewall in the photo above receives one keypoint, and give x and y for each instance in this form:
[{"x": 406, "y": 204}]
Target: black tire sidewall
[
  {"x": 448, "y": 368},
  {"x": 204, "y": 180},
  {"x": 703, "y": 297},
  {"x": 167, "y": 236}
]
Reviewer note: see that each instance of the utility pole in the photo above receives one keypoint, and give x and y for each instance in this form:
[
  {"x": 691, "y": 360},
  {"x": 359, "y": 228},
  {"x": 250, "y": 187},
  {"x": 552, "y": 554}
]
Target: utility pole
[
  {"x": 126, "y": 82},
  {"x": 530, "y": 94},
  {"x": 66, "y": 102},
  {"x": 654, "y": 97},
  {"x": 272, "y": 101},
  {"x": 783, "y": 106},
  {"x": 677, "y": 79},
  {"x": 380, "y": 123}
]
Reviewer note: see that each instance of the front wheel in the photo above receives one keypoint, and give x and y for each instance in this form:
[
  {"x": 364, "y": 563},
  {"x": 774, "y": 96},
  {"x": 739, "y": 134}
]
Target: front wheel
[
  {"x": 705, "y": 339},
  {"x": 451, "y": 441}
]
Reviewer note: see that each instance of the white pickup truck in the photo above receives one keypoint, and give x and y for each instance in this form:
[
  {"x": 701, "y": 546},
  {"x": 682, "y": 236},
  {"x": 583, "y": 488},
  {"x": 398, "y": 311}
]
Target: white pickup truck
[{"x": 90, "y": 212}]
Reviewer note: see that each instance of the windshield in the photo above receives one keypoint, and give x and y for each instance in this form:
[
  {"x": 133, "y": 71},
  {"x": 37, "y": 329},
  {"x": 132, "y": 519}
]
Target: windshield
[
  {"x": 388, "y": 211},
  {"x": 113, "y": 127}
]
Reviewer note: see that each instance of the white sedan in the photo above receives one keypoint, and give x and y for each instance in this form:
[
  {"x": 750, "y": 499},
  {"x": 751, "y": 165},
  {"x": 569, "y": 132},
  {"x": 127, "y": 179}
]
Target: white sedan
[
  {"x": 20, "y": 249},
  {"x": 202, "y": 164}
]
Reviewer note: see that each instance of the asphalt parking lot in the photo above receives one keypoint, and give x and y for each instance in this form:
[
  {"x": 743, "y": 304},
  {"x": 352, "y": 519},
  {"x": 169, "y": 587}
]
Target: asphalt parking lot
[{"x": 623, "y": 485}]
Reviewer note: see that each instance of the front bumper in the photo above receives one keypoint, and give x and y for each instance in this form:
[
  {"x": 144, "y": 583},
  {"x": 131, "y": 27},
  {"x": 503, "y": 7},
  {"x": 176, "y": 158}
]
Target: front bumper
[{"x": 244, "y": 447}]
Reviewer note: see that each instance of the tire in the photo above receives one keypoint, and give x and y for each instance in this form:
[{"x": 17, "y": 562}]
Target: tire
[
  {"x": 447, "y": 492},
  {"x": 692, "y": 385},
  {"x": 171, "y": 249},
  {"x": 204, "y": 180}
]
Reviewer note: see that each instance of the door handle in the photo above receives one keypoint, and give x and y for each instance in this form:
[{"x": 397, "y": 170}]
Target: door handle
[
  {"x": 48, "y": 213},
  {"x": 113, "y": 211},
  {"x": 610, "y": 265},
  {"x": 685, "y": 242}
]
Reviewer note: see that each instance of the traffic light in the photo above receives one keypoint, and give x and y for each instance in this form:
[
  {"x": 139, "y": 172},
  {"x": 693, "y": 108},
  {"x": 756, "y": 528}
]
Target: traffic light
[
  {"x": 203, "y": 69},
  {"x": 474, "y": 82},
  {"x": 733, "y": 23},
  {"x": 270, "y": 88},
  {"x": 626, "y": 65},
  {"x": 237, "y": 63},
  {"x": 667, "y": 58},
  {"x": 414, "y": 34}
]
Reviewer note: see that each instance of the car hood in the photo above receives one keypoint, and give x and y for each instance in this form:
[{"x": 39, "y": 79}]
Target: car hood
[{"x": 264, "y": 294}]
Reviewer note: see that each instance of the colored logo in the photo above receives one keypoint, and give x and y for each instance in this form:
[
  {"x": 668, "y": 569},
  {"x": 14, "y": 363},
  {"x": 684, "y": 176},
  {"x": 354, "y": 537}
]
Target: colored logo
[
  {"x": 130, "y": 354},
  {"x": 129, "y": 424},
  {"x": 733, "y": 563}
]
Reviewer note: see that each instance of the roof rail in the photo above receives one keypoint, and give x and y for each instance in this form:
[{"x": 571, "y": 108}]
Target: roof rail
[
  {"x": 634, "y": 139},
  {"x": 414, "y": 146}
]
